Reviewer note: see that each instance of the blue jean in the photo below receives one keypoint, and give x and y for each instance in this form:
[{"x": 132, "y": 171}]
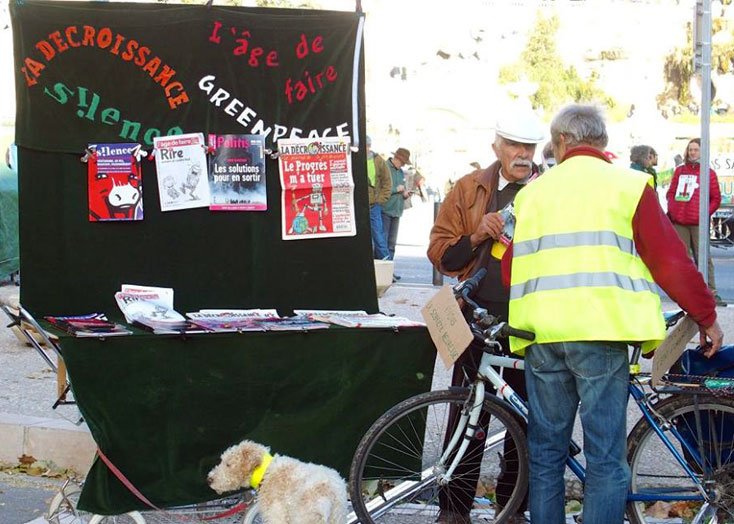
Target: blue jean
[
  {"x": 390, "y": 226},
  {"x": 559, "y": 376},
  {"x": 379, "y": 245}
]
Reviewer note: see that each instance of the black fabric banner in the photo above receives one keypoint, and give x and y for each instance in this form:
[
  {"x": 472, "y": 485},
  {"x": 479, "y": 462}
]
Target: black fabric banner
[{"x": 93, "y": 72}]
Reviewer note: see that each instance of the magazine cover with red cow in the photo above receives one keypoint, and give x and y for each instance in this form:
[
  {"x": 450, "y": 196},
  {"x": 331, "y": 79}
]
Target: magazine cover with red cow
[
  {"x": 317, "y": 198},
  {"x": 115, "y": 183}
]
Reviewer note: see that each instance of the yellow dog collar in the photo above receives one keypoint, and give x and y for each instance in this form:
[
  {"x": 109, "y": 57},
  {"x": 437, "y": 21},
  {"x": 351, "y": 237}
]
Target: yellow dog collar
[{"x": 259, "y": 473}]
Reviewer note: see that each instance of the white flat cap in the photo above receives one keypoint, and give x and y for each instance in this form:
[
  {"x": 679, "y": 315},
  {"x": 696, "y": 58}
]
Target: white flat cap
[{"x": 521, "y": 125}]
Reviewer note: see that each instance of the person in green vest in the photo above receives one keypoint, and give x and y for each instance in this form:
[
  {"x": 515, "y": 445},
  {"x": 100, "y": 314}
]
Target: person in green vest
[
  {"x": 393, "y": 209},
  {"x": 641, "y": 157},
  {"x": 379, "y": 186},
  {"x": 591, "y": 242}
]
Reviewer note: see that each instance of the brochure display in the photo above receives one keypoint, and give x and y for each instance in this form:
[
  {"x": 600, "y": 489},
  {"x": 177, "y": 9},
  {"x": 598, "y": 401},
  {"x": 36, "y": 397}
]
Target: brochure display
[
  {"x": 182, "y": 171},
  {"x": 317, "y": 188},
  {"x": 115, "y": 182},
  {"x": 237, "y": 173},
  {"x": 166, "y": 77}
]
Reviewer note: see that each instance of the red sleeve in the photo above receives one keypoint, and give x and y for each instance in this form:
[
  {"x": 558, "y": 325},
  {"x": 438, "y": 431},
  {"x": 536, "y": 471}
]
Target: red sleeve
[
  {"x": 714, "y": 192},
  {"x": 664, "y": 254},
  {"x": 507, "y": 266}
]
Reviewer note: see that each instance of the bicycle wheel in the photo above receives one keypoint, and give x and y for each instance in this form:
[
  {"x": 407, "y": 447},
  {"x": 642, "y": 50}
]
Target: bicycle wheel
[
  {"x": 132, "y": 517},
  {"x": 252, "y": 515},
  {"x": 656, "y": 473},
  {"x": 395, "y": 473},
  {"x": 62, "y": 509}
]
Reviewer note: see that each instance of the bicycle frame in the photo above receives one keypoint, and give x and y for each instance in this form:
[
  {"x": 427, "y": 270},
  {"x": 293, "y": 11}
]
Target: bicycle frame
[
  {"x": 469, "y": 418},
  {"x": 487, "y": 371}
]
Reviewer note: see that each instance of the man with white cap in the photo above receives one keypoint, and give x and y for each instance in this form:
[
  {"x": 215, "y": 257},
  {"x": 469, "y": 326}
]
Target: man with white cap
[{"x": 467, "y": 224}]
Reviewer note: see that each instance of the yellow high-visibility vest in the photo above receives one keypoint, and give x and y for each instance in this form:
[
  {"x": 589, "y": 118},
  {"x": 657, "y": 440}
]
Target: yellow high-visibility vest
[{"x": 576, "y": 275}]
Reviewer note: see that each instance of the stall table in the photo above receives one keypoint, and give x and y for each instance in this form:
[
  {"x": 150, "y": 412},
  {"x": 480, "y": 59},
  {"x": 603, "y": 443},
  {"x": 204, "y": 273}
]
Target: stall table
[{"x": 163, "y": 408}]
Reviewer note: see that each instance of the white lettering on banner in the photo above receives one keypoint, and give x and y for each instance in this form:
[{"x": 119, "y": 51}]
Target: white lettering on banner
[{"x": 245, "y": 115}]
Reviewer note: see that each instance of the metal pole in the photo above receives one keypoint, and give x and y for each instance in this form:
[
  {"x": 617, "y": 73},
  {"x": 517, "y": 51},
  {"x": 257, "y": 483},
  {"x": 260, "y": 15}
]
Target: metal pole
[
  {"x": 703, "y": 210},
  {"x": 437, "y": 276}
]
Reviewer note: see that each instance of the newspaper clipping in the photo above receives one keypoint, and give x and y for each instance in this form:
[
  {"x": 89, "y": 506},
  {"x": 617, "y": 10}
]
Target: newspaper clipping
[
  {"x": 317, "y": 188},
  {"x": 182, "y": 171},
  {"x": 237, "y": 173}
]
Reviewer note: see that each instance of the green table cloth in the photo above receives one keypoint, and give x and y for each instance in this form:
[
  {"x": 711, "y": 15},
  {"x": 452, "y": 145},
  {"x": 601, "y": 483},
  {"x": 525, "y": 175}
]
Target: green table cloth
[{"x": 163, "y": 408}]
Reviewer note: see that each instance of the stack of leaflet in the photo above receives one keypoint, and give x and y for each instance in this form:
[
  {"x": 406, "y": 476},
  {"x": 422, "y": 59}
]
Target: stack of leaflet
[
  {"x": 358, "y": 319},
  {"x": 92, "y": 325},
  {"x": 152, "y": 308},
  {"x": 294, "y": 323},
  {"x": 232, "y": 320}
]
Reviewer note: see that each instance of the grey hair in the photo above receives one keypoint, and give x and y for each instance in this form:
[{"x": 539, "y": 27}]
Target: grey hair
[
  {"x": 640, "y": 154},
  {"x": 580, "y": 124}
]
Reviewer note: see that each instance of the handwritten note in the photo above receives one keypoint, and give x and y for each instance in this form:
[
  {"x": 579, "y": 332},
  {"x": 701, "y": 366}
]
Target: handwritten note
[
  {"x": 446, "y": 325},
  {"x": 672, "y": 348}
]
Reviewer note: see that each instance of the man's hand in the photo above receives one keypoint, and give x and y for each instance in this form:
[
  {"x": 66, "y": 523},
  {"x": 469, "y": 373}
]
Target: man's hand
[
  {"x": 489, "y": 227},
  {"x": 716, "y": 336}
]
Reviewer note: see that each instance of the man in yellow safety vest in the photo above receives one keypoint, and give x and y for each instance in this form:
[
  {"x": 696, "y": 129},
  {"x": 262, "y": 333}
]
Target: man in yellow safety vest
[{"x": 591, "y": 242}]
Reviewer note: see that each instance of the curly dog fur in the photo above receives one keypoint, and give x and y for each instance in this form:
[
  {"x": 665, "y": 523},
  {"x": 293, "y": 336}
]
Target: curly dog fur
[{"x": 291, "y": 492}]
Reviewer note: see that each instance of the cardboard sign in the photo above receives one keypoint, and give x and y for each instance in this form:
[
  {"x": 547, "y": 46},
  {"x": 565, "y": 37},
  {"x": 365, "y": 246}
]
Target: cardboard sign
[
  {"x": 672, "y": 348},
  {"x": 449, "y": 331}
]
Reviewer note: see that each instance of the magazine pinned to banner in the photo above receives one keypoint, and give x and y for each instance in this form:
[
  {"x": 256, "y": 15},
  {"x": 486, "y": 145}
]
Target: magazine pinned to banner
[
  {"x": 237, "y": 173},
  {"x": 183, "y": 181},
  {"x": 317, "y": 198},
  {"x": 115, "y": 183}
]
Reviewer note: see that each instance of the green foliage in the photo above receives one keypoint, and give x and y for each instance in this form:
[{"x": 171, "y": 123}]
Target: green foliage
[
  {"x": 540, "y": 63},
  {"x": 678, "y": 68}
]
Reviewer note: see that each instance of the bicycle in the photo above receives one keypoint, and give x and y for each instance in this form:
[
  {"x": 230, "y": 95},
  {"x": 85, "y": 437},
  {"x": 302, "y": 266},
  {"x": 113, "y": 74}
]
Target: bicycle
[{"x": 402, "y": 465}]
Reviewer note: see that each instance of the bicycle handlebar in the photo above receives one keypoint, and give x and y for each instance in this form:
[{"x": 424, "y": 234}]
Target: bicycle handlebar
[
  {"x": 468, "y": 286},
  {"x": 484, "y": 324},
  {"x": 509, "y": 331}
]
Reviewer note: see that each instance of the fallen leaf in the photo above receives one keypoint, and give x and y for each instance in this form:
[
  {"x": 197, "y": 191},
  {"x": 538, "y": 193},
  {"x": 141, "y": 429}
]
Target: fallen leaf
[
  {"x": 659, "y": 510},
  {"x": 26, "y": 459}
]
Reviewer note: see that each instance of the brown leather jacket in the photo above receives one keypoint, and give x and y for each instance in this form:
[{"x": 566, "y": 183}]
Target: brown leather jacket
[{"x": 460, "y": 215}]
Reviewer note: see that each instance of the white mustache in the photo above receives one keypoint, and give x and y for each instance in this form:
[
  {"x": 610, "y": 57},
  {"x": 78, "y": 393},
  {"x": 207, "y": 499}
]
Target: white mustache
[{"x": 521, "y": 162}]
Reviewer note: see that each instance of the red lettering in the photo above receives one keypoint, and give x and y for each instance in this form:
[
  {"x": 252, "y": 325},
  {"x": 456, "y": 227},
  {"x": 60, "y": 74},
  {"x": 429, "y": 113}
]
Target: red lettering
[
  {"x": 272, "y": 59},
  {"x": 164, "y": 76},
  {"x": 142, "y": 53},
  {"x": 253, "y": 61},
  {"x": 308, "y": 79},
  {"x": 302, "y": 47},
  {"x": 88, "y": 36},
  {"x": 214, "y": 37},
  {"x": 170, "y": 87},
  {"x": 317, "y": 44},
  {"x": 116, "y": 48},
  {"x": 301, "y": 91},
  {"x": 60, "y": 44},
  {"x": 45, "y": 48},
  {"x": 104, "y": 38},
  {"x": 132, "y": 45},
  {"x": 318, "y": 78},
  {"x": 244, "y": 44},
  {"x": 69, "y": 30},
  {"x": 34, "y": 68},
  {"x": 289, "y": 91},
  {"x": 177, "y": 101},
  {"x": 152, "y": 66},
  {"x": 331, "y": 73}
]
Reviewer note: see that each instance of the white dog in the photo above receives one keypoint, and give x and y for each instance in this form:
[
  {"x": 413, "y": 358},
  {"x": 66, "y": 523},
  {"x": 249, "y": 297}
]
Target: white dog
[{"x": 291, "y": 492}]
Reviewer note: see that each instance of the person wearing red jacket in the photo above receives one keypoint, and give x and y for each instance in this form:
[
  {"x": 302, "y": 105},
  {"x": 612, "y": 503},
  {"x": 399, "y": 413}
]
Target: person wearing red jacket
[{"x": 683, "y": 205}]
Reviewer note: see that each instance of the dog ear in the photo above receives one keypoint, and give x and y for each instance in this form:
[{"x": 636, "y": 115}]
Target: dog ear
[{"x": 252, "y": 455}]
